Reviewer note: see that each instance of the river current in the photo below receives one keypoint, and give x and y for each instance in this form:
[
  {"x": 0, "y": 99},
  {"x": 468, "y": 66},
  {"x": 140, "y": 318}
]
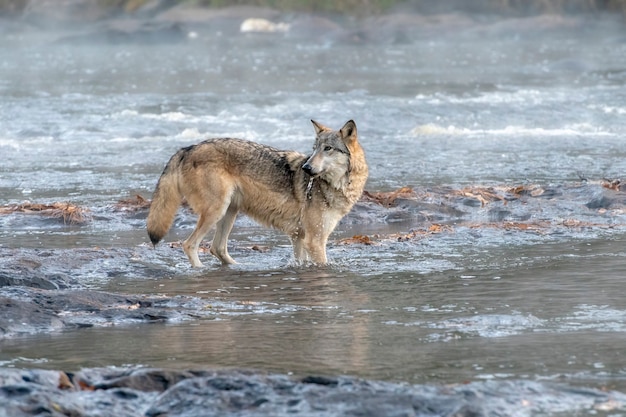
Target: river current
[{"x": 95, "y": 124}]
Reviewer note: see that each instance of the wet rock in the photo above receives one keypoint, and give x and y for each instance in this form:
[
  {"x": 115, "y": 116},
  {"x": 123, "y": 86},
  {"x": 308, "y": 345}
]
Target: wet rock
[
  {"x": 432, "y": 211},
  {"x": 470, "y": 202},
  {"x": 31, "y": 310},
  {"x": 160, "y": 392},
  {"x": 27, "y": 271},
  {"x": 365, "y": 212},
  {"x": 19, "y": 316},
  {"x": 30, "y": 394},
  {"x": 278, "y": 395},
  {"x": 600, "y": 202},
  {"x": 7, "y": 280}
]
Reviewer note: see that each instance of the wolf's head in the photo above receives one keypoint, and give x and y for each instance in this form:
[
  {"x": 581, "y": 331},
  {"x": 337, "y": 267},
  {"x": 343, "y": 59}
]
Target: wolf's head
[{"x": 331, "y": 153}]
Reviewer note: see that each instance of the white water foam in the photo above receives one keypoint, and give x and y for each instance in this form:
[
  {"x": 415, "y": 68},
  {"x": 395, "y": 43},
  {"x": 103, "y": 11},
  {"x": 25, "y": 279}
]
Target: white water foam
[
  {"x": 592, "y": 317},
  {"x": 582, "y": 129}
]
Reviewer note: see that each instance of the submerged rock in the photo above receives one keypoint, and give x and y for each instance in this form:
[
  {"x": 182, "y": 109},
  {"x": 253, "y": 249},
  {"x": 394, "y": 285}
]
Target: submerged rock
[{"x": 31, "y": 310}]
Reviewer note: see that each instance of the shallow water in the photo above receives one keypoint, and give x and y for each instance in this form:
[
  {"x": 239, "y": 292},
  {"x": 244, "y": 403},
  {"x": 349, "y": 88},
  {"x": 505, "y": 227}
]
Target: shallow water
[
  {"x": 94, "y": 125},
  {"x": 533, "y": 314}
]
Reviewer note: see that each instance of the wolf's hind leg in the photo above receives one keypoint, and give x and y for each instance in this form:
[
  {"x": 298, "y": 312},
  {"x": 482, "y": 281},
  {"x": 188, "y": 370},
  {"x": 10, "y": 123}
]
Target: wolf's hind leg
[
  {"x": 223, "y": 227},
  {"x": 191, "y": 245}
]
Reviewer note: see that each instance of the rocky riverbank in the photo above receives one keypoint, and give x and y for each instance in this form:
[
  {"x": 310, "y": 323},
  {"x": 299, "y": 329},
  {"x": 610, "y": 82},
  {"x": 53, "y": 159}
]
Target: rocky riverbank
[{"x": 147, "y": 392}]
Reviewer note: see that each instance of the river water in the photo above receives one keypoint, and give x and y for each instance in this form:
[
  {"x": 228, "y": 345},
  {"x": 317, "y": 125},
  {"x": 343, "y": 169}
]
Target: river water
[{"x": 94, "y": 125}]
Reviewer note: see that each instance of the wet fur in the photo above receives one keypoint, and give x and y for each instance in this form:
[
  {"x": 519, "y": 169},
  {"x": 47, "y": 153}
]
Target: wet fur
[{"x": 220, "y": 178}]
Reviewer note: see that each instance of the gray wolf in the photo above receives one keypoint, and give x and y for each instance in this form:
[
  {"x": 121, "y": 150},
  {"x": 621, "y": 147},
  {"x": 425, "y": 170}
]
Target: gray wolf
[{"x": 304, "y": 196}]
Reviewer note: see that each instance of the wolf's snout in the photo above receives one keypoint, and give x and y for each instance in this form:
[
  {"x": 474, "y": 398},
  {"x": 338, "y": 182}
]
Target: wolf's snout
[{"x": 308, "y": 168}]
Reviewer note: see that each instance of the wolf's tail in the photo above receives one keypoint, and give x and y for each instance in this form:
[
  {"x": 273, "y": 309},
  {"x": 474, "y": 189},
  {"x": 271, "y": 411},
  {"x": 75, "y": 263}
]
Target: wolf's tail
[{"x": 165, "y": 201}]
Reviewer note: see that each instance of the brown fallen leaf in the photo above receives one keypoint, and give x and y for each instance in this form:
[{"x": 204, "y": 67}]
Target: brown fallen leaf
[
  {"x": 533, "y": 190},
  {"x": 614, "y": 185},
  {"x": 357, "y": 239},
  {"x": 434, "y": 228},
  {"x": 70, "y": 213},
  {"x": 133, "y": 204},
  {"x": 438, "y": 228},
  {"x": 85, "y": 386},
  {"x": 535, "y": 226},
  {"x": 484, "y": 195},
  {"x": 518, "y": 189},
  {"x": 519, "y": 226},
  {"x": 387, "y": 199},
  {"x": 404, "y": 237}
]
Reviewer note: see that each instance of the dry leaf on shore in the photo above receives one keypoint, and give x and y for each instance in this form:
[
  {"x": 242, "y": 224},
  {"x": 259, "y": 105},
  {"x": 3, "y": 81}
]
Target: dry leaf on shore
[
  {"x": 70, "y": 213},
  {"x": 133, "y": 204}
]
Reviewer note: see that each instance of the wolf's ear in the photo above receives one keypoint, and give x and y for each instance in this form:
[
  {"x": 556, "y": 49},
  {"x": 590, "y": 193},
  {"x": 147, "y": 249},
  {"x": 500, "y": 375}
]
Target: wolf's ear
[
  {"x": 318, "y": 127},
  {"x": 348, "y": 131}
]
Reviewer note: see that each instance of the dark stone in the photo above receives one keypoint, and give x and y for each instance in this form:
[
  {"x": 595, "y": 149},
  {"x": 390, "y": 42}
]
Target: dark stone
[
  {"x": 15, "y": 390},
  {"x": 123, "y": 394},
  {"x": 18, "y": 316},
  {"x": 498, "y": 215},
  {"x": 319, "y": 380},
  {"x": 471, "y": 202},
  {"x": 602, "y": 202},
  {"x": 25, "y": 309},
  {"x": 7, "y": 280}
]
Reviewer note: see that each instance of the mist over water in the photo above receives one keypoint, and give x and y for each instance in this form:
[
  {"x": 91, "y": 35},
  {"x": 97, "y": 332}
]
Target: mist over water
[{"x": 500, "y": 103}]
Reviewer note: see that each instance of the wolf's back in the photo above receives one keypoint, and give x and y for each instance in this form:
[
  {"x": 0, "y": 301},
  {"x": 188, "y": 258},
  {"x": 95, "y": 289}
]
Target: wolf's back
[{"x": 165, "y": 201}]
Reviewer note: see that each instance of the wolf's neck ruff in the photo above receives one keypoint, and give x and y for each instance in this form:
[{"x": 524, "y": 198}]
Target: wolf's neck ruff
[{"x": 308, "y": 189}]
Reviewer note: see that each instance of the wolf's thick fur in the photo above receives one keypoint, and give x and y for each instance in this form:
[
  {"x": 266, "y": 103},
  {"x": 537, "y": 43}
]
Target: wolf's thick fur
[{"x": 304, "y": 196}]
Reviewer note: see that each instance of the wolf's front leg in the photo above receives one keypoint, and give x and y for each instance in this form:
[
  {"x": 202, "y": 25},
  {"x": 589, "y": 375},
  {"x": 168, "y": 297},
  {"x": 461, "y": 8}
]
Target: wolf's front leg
[
  {"x": 315, "y": 248},
  {"x": 299, "y": 252}
]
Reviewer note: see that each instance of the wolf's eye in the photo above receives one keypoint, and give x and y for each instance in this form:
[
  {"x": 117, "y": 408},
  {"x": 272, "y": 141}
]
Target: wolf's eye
[{"x": 327, "y": 148}]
